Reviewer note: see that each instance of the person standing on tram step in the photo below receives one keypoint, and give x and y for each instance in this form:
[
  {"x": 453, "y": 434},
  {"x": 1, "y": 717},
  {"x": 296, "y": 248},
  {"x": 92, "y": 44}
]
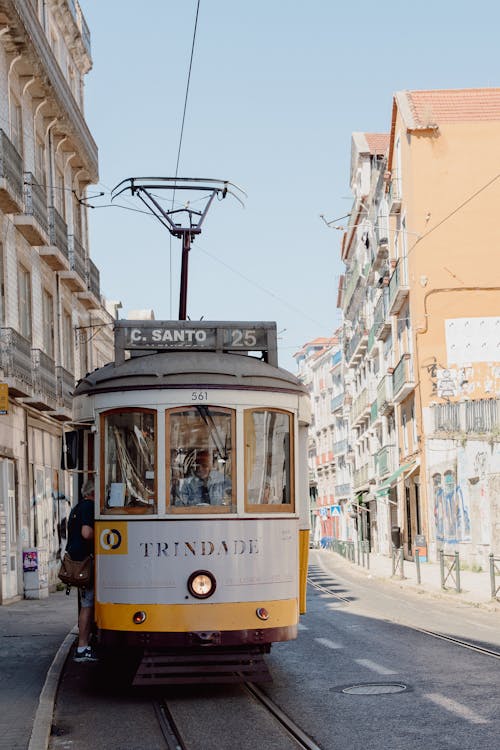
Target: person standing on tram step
[
  {"x": 80, "y": 545},
  {"x": 207, "y": 486}
]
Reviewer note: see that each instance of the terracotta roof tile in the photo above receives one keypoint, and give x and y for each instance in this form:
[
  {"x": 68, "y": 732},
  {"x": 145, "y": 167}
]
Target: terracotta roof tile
[
  {"x": 454, "y": 105},
  {"x": 378, "y": 143}
]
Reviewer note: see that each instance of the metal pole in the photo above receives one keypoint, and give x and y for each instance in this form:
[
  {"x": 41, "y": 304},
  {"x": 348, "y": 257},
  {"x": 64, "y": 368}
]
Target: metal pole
[
  {"x": 393, "y": 561},
  {"x": 492, "y": 576},
  {"x": 401, "y": 558},
  {"x": 186, "y": 246},
  {"x": 441, "y": 567},
  {"x": 457, "y": 572},
  {"x": 417, "y": 563}
]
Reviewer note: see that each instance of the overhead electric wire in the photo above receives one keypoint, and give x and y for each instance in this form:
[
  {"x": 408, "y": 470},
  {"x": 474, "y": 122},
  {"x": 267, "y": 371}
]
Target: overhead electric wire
[{"x": 182, "y": 135}]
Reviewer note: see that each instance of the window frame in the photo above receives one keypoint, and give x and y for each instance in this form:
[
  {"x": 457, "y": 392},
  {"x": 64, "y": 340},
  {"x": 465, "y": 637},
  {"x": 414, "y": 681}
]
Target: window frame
[
  {"x": 25, "y": 304},
  {"x": 270, "y": 507},
  {"x": 193, "y": 509},
  {"x": 124, "y": 510}
]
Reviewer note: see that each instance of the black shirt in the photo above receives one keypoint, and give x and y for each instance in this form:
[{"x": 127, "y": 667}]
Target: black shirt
[{"x": 82, "y": 514}]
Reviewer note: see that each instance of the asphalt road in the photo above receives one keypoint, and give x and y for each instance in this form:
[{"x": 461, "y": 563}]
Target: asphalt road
[{"x": 405, "y": 688}]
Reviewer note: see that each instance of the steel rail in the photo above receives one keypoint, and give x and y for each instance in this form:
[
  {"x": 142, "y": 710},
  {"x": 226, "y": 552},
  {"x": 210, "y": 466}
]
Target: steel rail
[
  {"x": 327, "y": 590},
  {"x": 457, "y": 642},
  {"x": 300, "y": 737},
  {"x": 171, "y": 733}
]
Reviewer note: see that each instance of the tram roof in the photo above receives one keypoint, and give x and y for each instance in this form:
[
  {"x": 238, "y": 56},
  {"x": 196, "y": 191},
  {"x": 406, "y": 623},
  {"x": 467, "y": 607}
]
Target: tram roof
[{"x": 174, "y": 369}]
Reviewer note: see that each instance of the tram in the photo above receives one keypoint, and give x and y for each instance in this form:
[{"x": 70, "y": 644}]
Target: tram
[{"x": 198, "y": 444}]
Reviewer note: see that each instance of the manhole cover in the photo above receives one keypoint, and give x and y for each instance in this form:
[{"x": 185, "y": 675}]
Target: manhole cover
[{"x": 375, "y": 688}]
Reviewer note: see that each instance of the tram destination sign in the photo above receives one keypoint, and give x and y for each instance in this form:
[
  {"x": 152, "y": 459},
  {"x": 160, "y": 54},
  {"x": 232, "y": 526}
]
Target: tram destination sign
[{"x": 194, "y": 335}]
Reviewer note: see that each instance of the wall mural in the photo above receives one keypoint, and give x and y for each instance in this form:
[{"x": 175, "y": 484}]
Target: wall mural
[{"x": 451, "y": 509}]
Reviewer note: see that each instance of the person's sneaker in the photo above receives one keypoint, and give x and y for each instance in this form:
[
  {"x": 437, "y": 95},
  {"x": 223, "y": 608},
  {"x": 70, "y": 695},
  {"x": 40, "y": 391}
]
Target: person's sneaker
[{"x": 85, "y": 654}]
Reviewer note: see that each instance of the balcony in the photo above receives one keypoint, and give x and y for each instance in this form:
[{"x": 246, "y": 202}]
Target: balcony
[
  {"x": 11, "y": 177},
  {"x": 91, "y": 298},
  {"x": 44, "y": 394},
  {"x": 360, "y": 477},
  {"x": 360, "y": 408},
  {"x": 55, "y": 254},
  {"x": 394, "y": 194},
  {"x": 342, "y": 491},
  {"x": 15, "y": 362},
  {"x": 384, "y": 461},
  {"x": 384, "y": 396},
  {"x": 76, "y": 277},
  {"x": 33, "y": 223},
  {"x": 381, "y": 248},
  {"x": 398, "y": 288},
  {"x": 340, "y": 447},
  {"x": 403, "y": 381},
  {"x": 337, "y": 402},
  {"x": 381, "y": 322},
  {"x": 65, "y": 384},
  {"x": 358, "y": 344}
]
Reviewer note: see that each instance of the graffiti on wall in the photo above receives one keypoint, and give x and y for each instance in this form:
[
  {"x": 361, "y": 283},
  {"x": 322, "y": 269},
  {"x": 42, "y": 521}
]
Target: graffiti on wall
[{"x": 451, "y": 509}]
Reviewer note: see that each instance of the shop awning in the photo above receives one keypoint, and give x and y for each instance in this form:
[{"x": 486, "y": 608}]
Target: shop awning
[{"x": 389, "y": 481}]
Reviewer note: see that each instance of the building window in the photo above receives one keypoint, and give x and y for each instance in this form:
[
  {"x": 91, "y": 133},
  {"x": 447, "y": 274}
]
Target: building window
[
  {"x": 128, "y": 438},
  {"x": 24, "y": 302},
  {"x": 40, "y": 169},
  {"x": 77, "y": 217},
  {"x": 48, "y": 323},
  {"x": 268, "y": 460},
  {"x": 16, "y": 124}
]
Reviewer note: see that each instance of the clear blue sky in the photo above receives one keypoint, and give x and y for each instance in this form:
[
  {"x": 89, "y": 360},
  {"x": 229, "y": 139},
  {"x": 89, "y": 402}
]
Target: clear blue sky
[{"x": 277, "y": 88}]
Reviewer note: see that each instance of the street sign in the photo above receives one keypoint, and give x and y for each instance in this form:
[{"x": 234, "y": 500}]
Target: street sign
[
  {"x": 335, "y": 510},
  {"x": 4, "y": 398}
]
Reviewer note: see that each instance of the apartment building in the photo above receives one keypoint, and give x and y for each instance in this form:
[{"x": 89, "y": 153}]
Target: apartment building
[
  {"x": 54, "y": 325},
  {"x": 421, "y": 303},
  {"x": 319, "y": 367}
]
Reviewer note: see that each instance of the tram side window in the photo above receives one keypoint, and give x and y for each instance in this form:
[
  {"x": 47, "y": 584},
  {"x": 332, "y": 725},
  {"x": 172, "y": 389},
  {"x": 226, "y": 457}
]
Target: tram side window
[
  {"x": 128, "y": 439},
  {"x": 200, "y": 458},
  {"x": 268, "y": 460}
]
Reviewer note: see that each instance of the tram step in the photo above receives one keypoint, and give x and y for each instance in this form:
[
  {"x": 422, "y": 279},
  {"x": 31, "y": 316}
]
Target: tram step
[{"x": 174, "y": 668}]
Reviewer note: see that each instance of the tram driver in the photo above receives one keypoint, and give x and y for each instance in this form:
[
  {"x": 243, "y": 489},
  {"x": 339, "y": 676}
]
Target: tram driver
[{"x": 206, "y": 486}]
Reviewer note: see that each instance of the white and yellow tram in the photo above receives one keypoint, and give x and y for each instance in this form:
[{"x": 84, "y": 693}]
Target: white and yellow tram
[{"x": 199, "y": 449}]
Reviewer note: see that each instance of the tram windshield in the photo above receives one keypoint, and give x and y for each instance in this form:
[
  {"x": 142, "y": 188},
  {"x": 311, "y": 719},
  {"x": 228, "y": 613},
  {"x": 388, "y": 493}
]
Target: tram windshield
[
  {"x": 268, "y": 451},
  {"x": 200, "y": 469},
  {"x": 129, "y": 437}
]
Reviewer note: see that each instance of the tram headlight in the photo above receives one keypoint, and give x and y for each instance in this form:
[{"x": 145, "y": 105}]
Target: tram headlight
[
  {"x": 139, "y": 617},
  {"x": 201, "y": 584},
  {"x": 262, "y": 613}
]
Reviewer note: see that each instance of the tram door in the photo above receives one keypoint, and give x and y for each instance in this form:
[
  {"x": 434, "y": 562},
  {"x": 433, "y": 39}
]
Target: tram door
[{"x": 8, "y": 530}]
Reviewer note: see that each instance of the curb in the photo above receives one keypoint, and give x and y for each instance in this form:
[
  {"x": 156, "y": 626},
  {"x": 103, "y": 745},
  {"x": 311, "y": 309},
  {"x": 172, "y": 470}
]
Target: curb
[{"x": 42, "y": 724}]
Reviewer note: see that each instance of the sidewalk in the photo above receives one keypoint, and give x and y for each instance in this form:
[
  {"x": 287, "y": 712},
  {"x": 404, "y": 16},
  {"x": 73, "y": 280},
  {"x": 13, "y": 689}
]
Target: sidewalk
[
  {"x": 475, "y": 588},
  {"x": 31, "y": 633}
]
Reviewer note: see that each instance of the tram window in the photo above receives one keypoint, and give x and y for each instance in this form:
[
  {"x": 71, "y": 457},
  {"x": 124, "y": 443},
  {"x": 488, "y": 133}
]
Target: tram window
[
  {"x": 268, "y": 460},
  {"x": 128, "y": 450},
  {"x": 200, "y": 459}
]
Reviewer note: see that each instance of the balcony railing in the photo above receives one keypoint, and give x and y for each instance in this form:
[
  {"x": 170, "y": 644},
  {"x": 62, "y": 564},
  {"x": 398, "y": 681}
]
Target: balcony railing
[
  {"x": 478, "y": 416},
  {"x": 384, "y": 395},
  {"x": 384, "y": 461},
  {"x": 65, "y": 387},
  {"x": 15, "y": 361},
  {"x": 342, "y": 490},
  {"x": 77, "y": 260},
  {"x": 44, "y": 379},
  {"x": 58, "y": 231},
  {"x": 398, "y": 287},
  {"x": 337, "y": 402},
  {"x": 381, "y": 322},
  {"x": 93, "y": 279},
  {"x": 402, "y": 378},
  {"x": 33, "y": 223},
  {"x": 11, "y": 177},
  {"x": 361, "y": 406},
  {"x": 340, "y": 447},
  {"x": 360, "y": 476},
  {"x": 394, "y": 196}
]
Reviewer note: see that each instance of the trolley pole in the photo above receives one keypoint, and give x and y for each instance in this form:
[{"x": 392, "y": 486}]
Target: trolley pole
[{"x": 186, "y": 247}]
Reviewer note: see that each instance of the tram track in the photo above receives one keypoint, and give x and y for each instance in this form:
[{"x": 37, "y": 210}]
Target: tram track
[
  {"x": 328, "y": 590},
  {"x": 174, "y": 739}
]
